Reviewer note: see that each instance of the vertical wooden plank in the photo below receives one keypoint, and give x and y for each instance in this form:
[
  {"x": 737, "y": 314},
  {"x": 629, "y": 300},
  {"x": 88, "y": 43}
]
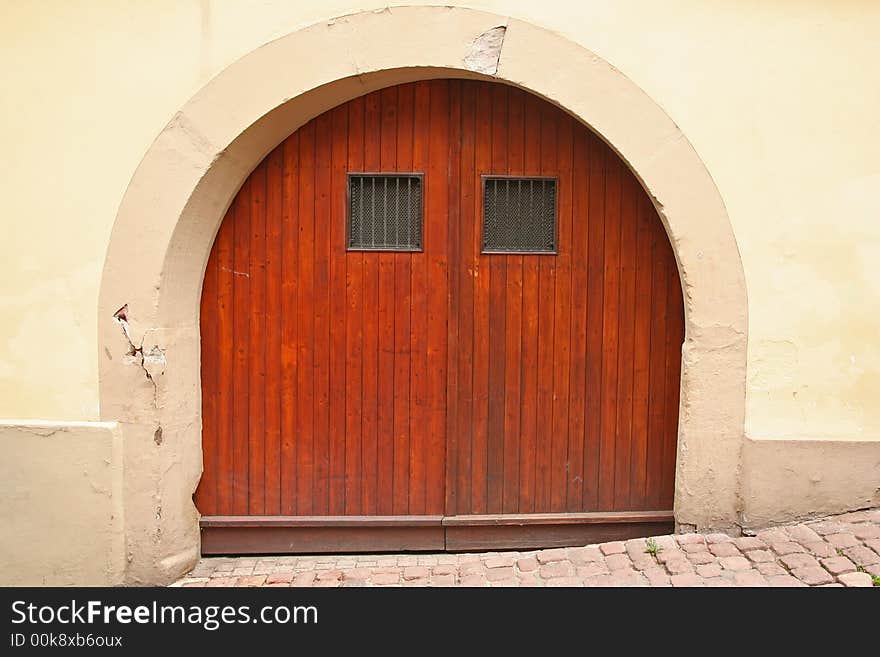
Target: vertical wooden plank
[
  {"x": 449, "y": 441},
  {"x": 338, "y": 222},
  {"x": 641, "y": 355},
  {"x": 674, "y": 339},
  {"x": 497, "y": 320},
  {"x": 387, "y": 161},
  {"x": 559, "y": 473},
  {"x": 206, "y": 493},
  {"x": 578, "y": 370},
  {"x": 241, "y": 325},
  {"x": 274, "y": 201},
  {"x": 529, "y": 330},
  {"x": 595, "y": 296},
  {"x": 225, "y": 361},
  {"x": 289, "y": 323},
  {"x": 516, "y": 132},
  {"x": 469, "y": 233},
  {"x": 626, "y": 339},
  {"x": 305, "y": 436},
  {"x": 321, "y": 349},
  {"x": 657, "y": 376},
  {"x": 387, "y": 393},
  {"x": 483, "y": 162},
  {"x": 354, "y": 457},
  {"x": 610, "y": 323},
  {"x": 372, "y": 308},
  {"x": 438, "y": 330},
  {"x": 418, "y": 395},
  {"x": 400, "y": 334},
  {"x": 257, "y": 344},
  {"x": 546, "y": 331},
  {"x": 513, "y": 320}
]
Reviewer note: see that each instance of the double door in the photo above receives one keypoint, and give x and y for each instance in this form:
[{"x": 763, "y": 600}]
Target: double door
[{"x": 443, "y": 315}]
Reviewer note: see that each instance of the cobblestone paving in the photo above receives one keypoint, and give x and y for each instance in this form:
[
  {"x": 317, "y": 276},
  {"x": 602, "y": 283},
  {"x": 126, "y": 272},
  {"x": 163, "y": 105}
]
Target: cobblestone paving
[{"x": 836, "y": 551}]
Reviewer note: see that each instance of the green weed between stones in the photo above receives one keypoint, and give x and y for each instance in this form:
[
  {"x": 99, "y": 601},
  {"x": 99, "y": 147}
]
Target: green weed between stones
[{"x": 652, "y": 548}]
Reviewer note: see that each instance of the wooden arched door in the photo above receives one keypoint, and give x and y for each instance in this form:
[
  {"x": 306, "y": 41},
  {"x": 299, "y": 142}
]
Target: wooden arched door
[{"x": 443, "y": 315}]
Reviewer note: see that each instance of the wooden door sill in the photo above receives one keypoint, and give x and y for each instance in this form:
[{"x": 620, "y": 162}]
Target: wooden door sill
[{"x": 426, "y": 533}]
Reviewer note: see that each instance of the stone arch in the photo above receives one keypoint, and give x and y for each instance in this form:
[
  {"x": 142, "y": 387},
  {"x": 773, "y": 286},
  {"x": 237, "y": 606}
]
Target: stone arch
[{"x": 151, "y": 283}]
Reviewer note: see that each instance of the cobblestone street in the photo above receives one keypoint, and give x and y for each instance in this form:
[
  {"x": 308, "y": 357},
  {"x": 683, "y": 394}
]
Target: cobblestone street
[{"x": 836, "y": 551}]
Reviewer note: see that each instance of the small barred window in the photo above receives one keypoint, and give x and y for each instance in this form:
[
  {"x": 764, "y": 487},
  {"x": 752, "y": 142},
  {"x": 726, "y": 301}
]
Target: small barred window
[
  {"x": 385, "y": 212},
  {"x": 519, "y": 215}
]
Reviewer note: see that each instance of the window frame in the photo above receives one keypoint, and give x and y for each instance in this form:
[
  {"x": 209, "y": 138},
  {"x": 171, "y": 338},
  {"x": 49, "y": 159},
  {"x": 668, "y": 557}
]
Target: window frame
[
  {"x": 482, "y": 215},
  {"x": 421, "y": 216}
]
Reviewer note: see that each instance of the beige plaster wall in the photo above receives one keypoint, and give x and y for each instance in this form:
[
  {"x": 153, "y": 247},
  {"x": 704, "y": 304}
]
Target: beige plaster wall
[
  {"x": 61, "y": 506},
  {"x": 785, "y": 480},
  {"x": 778, "y": 99}
]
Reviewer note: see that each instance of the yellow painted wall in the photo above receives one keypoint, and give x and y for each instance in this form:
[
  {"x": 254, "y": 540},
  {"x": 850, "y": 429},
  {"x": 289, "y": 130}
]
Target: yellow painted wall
[{"x": 780, "y": 99}]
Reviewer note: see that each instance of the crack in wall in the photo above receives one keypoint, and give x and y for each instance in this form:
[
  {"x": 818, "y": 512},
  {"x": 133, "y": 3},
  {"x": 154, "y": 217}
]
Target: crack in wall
[
  {"x": 151, "y": 361},
  {"x": 45, "y": 432}
]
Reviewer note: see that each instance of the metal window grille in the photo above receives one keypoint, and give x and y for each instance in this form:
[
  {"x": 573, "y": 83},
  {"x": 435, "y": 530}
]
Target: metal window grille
[
  {"x": 385, "y": 212},
  {"x": 519, "y": 215}
]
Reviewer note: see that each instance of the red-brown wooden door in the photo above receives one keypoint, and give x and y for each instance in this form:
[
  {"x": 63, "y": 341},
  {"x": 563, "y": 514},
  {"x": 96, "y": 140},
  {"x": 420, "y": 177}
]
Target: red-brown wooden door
[{"x": 446, "y": 398}]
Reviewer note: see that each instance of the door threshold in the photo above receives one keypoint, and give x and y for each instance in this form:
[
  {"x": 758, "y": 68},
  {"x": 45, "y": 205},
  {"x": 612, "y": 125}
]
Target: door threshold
[
  {"x": 366, "y": 534},
  {"x": 548, "y": 530}
]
